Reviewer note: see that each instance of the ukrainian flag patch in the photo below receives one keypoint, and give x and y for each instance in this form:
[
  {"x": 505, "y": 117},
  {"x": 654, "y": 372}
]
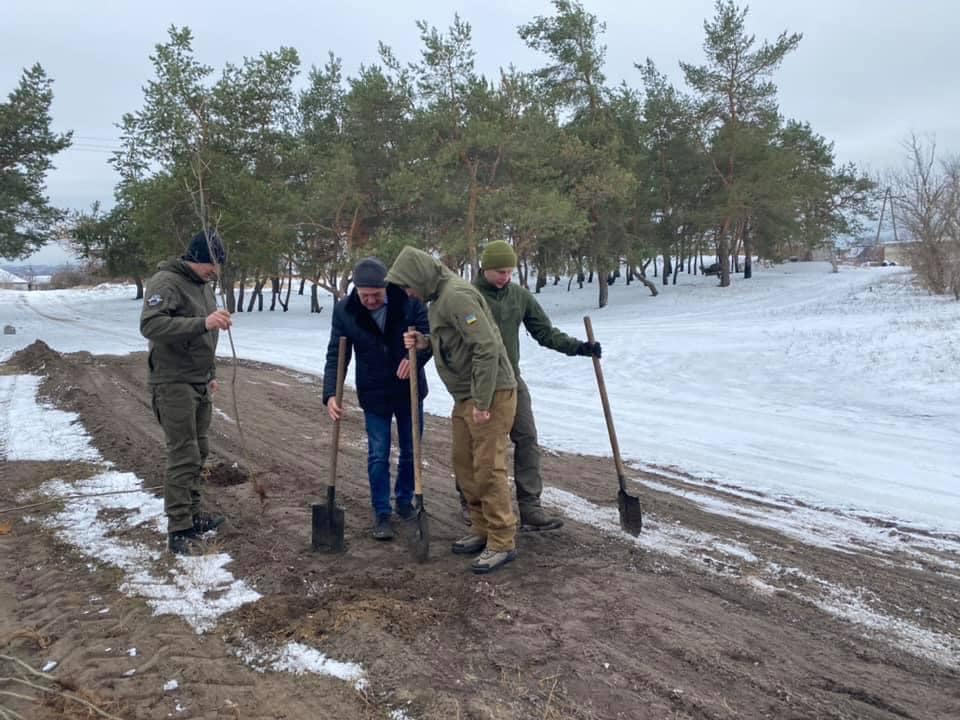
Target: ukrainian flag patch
[{"x": 471, "y": 318}]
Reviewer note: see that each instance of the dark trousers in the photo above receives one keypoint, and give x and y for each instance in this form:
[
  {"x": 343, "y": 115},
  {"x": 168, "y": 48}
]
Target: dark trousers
[
  {"x": 527, "y": 464},
  {"x": 184, "y": 412},
  {"x": 378, "y": 458}
]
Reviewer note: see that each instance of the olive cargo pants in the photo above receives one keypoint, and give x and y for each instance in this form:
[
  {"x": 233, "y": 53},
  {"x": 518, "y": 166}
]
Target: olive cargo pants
[
  {"x": 527, "y": 464},
  {"x": 480, "y": 468},
  {"x": 184, "y": 412}
]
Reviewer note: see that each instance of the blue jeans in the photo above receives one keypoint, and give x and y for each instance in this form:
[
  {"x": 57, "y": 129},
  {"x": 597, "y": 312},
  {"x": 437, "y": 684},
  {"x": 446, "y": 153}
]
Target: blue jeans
[{"x": 378, "y": 458}]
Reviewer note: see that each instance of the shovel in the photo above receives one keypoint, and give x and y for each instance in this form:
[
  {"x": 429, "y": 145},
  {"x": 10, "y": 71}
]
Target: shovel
[
  {"x": 631, "y": 518},
  {"x": 328, "y": 519},
  {"x": 421, "y": 537}
]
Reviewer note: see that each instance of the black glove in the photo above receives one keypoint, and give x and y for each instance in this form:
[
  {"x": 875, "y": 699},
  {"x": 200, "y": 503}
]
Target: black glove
[{"x": 588, "y": 349}]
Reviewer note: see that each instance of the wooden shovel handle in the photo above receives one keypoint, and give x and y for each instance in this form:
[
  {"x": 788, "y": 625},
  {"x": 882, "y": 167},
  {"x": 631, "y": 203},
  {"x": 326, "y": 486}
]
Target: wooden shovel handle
[
  {"x": 608, "y": 416},
  {"x": 341, "y": 374},
  {"x": 415, "y": 415}
]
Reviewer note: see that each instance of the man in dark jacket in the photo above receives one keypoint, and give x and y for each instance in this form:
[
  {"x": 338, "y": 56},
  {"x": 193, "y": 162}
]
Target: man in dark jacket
[
  {"x": 374, "y": 318},
  {"x": 181, "y": 320},
  {"x": 513, "y": 306}
]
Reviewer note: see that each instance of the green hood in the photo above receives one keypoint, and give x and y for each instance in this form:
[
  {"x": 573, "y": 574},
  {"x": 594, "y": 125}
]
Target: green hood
[{"x": 419, "y": 271}]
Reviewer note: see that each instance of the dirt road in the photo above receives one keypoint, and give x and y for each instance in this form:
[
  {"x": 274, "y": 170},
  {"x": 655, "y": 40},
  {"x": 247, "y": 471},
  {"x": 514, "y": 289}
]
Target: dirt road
[{"x": 585, "y": 624}]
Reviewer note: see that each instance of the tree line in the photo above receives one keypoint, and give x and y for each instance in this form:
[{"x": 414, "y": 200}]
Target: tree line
[{"x": 303, "y": 175}]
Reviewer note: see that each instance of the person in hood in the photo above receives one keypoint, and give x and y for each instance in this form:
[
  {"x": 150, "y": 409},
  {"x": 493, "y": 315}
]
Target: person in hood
[
  {"x": 473, "y": 365},
  {"x": 181, "y": 320},
  {"x": 374, "y": 317},
  {"x": 513, "y": 306}
]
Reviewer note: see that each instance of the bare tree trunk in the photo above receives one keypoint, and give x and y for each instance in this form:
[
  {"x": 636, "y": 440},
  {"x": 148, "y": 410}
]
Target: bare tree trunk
[
  {"x": 724, "y": 253},
  {"x": 275, "y": 288},
  {"x": 139, "y": 283},
  {"x": 303, "y": 282},
  {"x": 651, "y": 286},
  {"x": 541, "y": 281},
  {"x": 315, "y": 305},
  {"x": 556, "y": 280},
  {"x": 243, "y": 284},
  {"x": 286, "y": 301},
  {"x": 667, "y": 268},
  {"x": 604, "y": 293},
  {"x": 257, "y": 292}
]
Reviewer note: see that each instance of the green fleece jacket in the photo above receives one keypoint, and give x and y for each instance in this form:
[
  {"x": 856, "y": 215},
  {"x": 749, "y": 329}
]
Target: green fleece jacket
[
  {"x": 175, "y": 306},
  {"x": 467, "y": 348},
  {"x": 512, "y": 306}
]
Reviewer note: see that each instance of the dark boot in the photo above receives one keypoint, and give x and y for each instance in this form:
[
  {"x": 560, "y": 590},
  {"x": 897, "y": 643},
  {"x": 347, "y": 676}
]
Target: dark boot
[
  {"x": 465, "y": 512},
  {"x": 534, "y": 519},
  {"x": 205, "y": 522},
  {"x": 406, "y": 511},
  {"x": 382, "y": 530},
  {"x": 184, "y": 542}
]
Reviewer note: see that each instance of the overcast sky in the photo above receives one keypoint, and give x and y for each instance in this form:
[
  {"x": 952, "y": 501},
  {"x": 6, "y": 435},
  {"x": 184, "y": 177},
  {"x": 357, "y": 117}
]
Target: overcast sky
[{"x": 865, "y": 74}]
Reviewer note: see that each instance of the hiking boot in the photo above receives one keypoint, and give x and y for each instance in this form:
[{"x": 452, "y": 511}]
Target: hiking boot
[
  {"x": 490, "y": 560},
  {"x": 534, "y": 519},
  {"x": 183, "y": 542},
  {"x": 406, "y": 511},
  {"x": 469, "y": 545},
  {"x": 382, "y": 530},
  {"x": 205, "y": 522}
]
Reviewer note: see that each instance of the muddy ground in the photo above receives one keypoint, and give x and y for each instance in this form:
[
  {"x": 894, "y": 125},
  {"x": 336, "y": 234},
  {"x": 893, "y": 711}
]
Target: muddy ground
[{"x": 585, "y": 624}]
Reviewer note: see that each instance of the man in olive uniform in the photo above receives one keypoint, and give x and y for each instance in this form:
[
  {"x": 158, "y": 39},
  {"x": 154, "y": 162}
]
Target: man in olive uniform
[
  {"x": 474, "y": 366},
  {"x": 181, "y": 320},
  {"x": 513, "y": 306}
]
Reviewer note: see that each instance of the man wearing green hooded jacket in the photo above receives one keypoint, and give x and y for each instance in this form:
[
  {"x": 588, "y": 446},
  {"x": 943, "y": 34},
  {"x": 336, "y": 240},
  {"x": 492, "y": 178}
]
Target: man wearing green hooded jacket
[
  {"x": 513, "y": 306},
  {"x": 473, "y": 364},
  {"x": 181, "y": 320}
]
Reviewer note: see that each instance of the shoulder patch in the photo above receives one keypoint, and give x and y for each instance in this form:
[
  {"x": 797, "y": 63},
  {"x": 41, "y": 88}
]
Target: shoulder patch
[
  {"x": 154, "y": 300},
  {"x": 471, "y": 318}
]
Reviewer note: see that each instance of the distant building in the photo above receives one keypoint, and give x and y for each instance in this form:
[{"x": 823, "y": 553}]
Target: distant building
[
  {"x": 9, "y": 281},
  {"x": 899, "y": 253}
]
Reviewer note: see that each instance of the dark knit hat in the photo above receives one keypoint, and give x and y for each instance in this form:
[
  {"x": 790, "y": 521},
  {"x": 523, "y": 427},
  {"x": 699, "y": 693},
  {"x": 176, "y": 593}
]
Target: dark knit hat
[
  {"x": 370, "y": 273},
  {"x": 498, "y": 254},
  {"x": 199, "y": 249}
]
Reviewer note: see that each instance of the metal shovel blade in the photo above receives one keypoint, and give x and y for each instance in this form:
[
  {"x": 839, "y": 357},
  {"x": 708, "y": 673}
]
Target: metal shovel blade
[
  {"x": 421, "y": 536},
  {"x": 328, "y": 524},
  {"x": 631, "y": 517}
]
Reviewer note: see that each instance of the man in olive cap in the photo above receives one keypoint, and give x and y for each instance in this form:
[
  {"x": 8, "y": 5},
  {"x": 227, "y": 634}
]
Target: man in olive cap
[
  {"x": 513, "y": 306},
  {"x": 181, "y": 320},
  {"x": 374, "y": 317}
]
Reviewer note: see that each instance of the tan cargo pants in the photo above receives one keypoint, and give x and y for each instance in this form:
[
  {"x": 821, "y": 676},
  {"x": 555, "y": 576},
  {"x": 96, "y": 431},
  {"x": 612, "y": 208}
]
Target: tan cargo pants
[{"x": 480, "y": 468}]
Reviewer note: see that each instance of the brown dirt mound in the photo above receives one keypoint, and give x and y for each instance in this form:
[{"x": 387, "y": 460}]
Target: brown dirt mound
[
  {"x": 35, "y": 358},
  {"x": 226, "y": 473}
]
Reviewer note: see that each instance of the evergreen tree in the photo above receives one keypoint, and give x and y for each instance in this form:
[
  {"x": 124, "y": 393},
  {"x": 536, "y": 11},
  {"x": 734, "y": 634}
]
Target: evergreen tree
[{"x": 27, "y": 146}]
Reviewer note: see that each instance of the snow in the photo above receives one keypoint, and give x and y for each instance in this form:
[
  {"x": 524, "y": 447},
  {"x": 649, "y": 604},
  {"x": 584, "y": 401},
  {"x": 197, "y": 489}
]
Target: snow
[
  {"x": 42, "y": 432},
  {"x": 299, "y": 659},
  {"x": 48, "y": 666},
  {"x": 170, "y": 685}
]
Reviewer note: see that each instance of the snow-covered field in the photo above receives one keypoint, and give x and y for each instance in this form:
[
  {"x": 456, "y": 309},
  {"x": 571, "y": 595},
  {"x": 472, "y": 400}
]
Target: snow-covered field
[{"x": 840, "y": 390}]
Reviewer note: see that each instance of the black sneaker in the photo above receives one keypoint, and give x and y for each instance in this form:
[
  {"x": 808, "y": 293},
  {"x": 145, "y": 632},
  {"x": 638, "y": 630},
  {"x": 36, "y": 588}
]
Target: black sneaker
[
  {"x": 205, "y": 522},
  {"x": 382, "y": 530},
  {"x": 406, "y": 511},
  {"x": 183, "y": 542}
]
